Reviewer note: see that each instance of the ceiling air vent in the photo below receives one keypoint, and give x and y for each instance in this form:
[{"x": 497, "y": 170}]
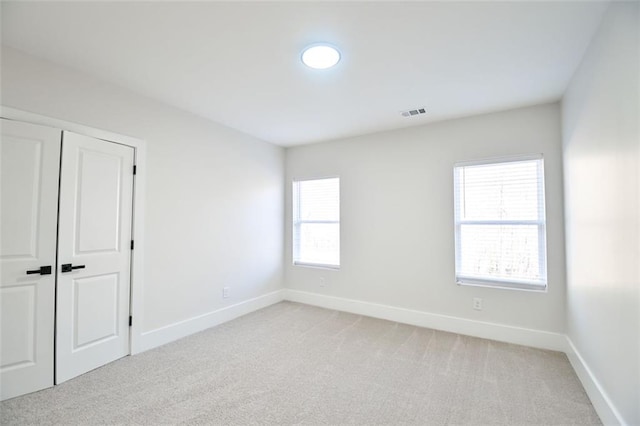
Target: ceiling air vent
[{"x": 414, "y": 112}]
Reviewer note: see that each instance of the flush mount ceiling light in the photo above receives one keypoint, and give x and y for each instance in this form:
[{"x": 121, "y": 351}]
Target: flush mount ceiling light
[{"x": 320, "y": 56}]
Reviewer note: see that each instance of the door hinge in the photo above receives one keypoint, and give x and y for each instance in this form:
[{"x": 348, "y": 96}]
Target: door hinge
[
  {"x": 135, "y": 169},
  {"x": 131, "y": 244},
  {"x": 130, "y": 320}
]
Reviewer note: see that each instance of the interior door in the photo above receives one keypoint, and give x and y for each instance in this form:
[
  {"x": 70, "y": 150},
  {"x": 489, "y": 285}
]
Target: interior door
[
  {"x": 94, "y": 253},
  {"x": 29, "y": 162}
]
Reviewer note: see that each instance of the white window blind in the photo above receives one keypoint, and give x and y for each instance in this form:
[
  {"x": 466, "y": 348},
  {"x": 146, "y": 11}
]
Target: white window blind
[
  {"x": 500, "y": 223},
  {"x": 316, "y": 222}
]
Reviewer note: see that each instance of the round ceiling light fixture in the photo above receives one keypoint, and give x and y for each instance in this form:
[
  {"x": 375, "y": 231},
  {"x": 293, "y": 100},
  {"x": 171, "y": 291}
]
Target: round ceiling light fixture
[{"x": 320, "y": 56}]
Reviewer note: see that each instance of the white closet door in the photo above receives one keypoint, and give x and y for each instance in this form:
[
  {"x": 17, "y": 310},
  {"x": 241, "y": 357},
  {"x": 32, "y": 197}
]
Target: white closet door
[
  {"x": 94, "y": 241},
  {"x": 30, "y": 158}
]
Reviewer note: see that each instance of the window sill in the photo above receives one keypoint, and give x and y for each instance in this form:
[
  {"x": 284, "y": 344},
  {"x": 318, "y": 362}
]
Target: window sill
[
  {"x": 317, "y": 266},
  {"x": 506, "y": 285}
]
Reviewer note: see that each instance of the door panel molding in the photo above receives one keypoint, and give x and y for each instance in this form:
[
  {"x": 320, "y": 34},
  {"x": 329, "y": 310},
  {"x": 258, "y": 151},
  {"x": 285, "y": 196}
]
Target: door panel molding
[
  {"x": 82, "y": 337},
  {"x": 31, "y": 176},
  {"x": 19, "y": 303},
  {"x": 93, "y": 213}
]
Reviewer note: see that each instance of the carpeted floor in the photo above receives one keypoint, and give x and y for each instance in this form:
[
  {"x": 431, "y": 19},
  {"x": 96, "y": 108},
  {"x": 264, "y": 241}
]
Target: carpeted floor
[{"x": 297, "y": 364}]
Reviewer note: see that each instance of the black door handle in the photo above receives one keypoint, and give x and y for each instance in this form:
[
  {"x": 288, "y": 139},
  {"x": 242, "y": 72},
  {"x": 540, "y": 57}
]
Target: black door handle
[
  {"x": 44, "y": 270},
  {"x": 67, "y": 267}
]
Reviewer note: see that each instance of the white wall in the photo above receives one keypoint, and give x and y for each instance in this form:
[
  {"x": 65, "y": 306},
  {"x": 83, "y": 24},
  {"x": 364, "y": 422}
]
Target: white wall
[
  {"x": 397, "y": 229},
  {"x": 601, "y": 146},
  {"x": 214, "y": 196}
]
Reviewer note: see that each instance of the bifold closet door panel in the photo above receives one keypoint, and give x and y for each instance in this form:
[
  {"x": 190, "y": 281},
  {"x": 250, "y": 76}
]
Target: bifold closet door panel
[
  {"x": 29, "y": 170},
  {"x": 94, "y": 254}
]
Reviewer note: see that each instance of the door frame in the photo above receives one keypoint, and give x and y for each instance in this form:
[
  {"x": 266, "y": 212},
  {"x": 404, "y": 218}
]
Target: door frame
[{"x": 139, "y": 184}]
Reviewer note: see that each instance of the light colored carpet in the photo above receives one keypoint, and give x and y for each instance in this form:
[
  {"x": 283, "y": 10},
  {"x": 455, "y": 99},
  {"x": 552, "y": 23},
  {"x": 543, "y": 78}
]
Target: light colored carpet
[{"x": 297, "y": 364}]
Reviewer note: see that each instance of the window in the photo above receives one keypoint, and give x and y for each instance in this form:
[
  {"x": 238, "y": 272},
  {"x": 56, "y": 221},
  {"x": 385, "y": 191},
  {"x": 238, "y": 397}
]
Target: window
[
  {"x": 500, "y": 223},
  {"x": 316, "y": 222}
]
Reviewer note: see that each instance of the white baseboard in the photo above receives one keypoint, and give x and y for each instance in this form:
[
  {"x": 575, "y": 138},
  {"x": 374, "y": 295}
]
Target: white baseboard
[
  {"x": 485, "y": 330},
  {"x": 599, "y": 398},
  {"x": 160, "y": 336}
]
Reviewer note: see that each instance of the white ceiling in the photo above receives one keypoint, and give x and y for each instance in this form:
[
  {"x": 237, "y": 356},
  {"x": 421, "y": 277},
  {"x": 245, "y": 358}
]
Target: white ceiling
[{"x": 238, "y": 63}]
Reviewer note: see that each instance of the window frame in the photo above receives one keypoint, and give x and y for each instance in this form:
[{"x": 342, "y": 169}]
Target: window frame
[
  {"x": 297, "y": 222},
  {"x": 540, "y": 222}
]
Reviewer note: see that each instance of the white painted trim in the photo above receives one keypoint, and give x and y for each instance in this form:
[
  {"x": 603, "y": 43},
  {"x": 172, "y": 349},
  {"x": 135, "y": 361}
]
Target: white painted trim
[
  {"x": 139, "y": 145},
  {"x": 42, "y": 120},
  {"x": 603, "y": 405},
  {"x": 160, "y": 336},
  {"x": 137, "y": 259},
  {"x": 485, "y": 330}
]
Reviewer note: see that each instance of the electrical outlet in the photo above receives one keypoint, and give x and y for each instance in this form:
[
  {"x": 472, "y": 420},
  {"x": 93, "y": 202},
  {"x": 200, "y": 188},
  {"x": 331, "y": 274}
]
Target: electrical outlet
[
  {"x": 477, "y": 303},
  {"x": 323, "y": 282},
  {"x": 225, "y": 292}
]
